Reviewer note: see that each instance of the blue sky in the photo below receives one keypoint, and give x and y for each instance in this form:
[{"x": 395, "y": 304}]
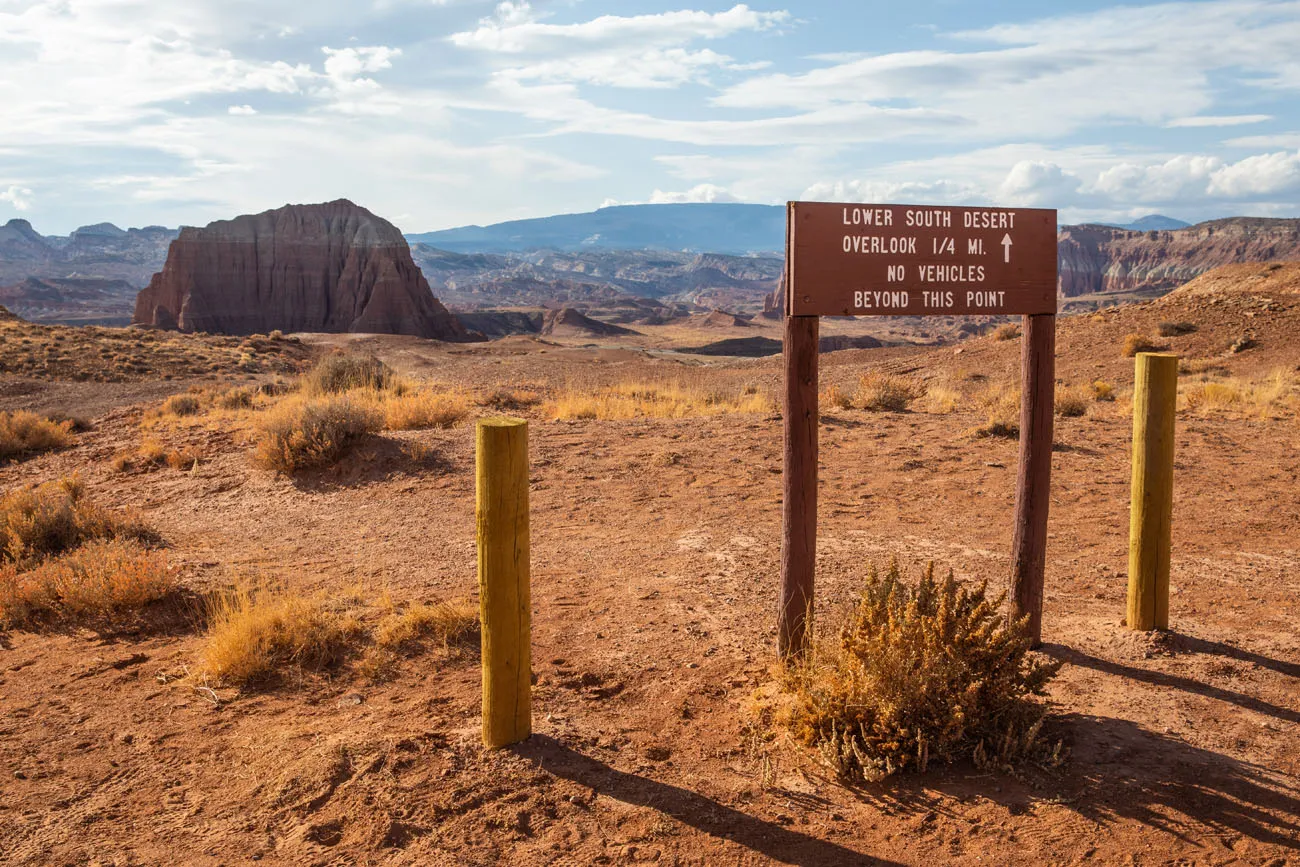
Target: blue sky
[{"x": 438, "y": 113}]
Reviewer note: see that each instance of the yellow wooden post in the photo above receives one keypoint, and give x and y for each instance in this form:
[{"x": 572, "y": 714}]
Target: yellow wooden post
[
  {"x": 503, "y": 580},
  {"x": 1155, "y": 397}
]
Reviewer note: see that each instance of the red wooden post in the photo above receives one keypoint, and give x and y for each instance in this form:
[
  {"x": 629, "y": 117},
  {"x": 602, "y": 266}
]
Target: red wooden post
[
  {"x": 1034, "y": 476},
  {"x": 799, "y": 505}
]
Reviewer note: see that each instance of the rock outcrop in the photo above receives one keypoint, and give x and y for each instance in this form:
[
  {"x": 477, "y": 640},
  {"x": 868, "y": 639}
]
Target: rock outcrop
[
  {"x": 568, "y": 322},
  {"x": 71, "y": 300},
  {"x": 1103, "y": 260},
  {"x": 334, "y": 267}
]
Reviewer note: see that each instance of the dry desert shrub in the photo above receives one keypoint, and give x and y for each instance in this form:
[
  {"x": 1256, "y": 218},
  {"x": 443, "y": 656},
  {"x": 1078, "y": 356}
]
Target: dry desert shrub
[
  {"x": 337, "y": 373},
  {"x": 1203, "y": 367},
  {"x": 24, "y": 433},
  {"x": 1010, "y": 331},
  {"x": 1071, "y": 402},
  {"x": 235, "y": 398},
  {"x": 673, "y": 399},
  {"x": 940, "y": 398},
  {"x": 259, "y": 634},
  {"x": 1135, "y": 343},
  {"x": 402, "y": 632},
  {"x": 1272, "y": 396},
  {"x": 38, "y": 522},
  {"x": 301, "y": 433},
  {"x": 96, "y": 581},
  {"x": 920, "y": 671},
  {"x": 1175, "y": 329},
  {"x": 836, "y": 397},
  {"x": 415, "y": 410},
  {"x": 1002, "y": 403},
  {"x": 885, "y": 392},
  {"x": 1103, "y": 391},
  {"x": 182, "y": 405},
  {"x": 510, "y": 399}
]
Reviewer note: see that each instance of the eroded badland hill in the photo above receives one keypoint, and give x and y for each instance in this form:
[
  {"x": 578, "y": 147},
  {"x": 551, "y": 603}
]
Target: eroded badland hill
[{"x": 655, "y": 494}]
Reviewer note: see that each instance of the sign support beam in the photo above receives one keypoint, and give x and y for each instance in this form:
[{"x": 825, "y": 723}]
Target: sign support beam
[
  {"x": 799, "y": 503},
  {"x": 1034, "y": 475}
]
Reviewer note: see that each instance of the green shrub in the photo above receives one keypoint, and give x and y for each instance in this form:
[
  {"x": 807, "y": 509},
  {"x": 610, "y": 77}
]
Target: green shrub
[{"x": 919, "y": 671}]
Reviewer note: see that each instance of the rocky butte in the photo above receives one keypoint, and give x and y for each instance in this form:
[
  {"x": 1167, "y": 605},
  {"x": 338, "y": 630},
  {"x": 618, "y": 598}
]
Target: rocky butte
[{"x": 333, "y": 267}]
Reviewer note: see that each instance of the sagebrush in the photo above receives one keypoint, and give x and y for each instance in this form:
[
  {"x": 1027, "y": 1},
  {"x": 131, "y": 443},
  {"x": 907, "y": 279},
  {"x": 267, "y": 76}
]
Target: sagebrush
[
  {"x": 24, "y": 433},
  {"x": 920, "y": 671},
  {"x": 313, "y": 432}
]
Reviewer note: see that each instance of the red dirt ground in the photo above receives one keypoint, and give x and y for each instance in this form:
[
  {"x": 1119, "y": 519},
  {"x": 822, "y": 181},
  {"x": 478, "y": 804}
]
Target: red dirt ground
[{"x": 655, "y": 550}]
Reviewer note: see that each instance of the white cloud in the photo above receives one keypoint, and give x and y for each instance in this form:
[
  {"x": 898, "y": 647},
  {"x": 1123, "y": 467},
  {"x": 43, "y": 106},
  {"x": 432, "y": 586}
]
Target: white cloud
[
  {"x": 1277, "y": 140},
  {"x": 699, "y": 193},
  {"x": 1218, "y": 120},
  {"x": 1261, "y": 175},
  {"x": 19, "y": 197},
  {"x": 241, "y": 110},
  {"x": 515, "y": 29}
]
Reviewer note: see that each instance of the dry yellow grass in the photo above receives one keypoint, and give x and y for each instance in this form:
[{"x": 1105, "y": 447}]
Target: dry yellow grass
[
  {"x": 1009, "y": 331},
  {"x": 1103, "y": 391},
  {"x": 255, "y": 635},
  {"x": 654, "y": 400},
  {"x": 24, "y": 433},
  {"x": 99, "y": 580},
  {"x": 919, "y": 671},
  {"x": 834, "y": 396},
  {"x": 1072, "y": 402},
  {"x": 885, "y": 392},
  {"x": 940, "y": 398},
  {"x": 302, "y": 432},
  {"x": 341, "y": 372},
  {"x": 43, "y": 521},
  {"x": 510, "y": 399},
  {"x": 1002, "y": 403},
  {"x": 418, "y": 409},
  {"x": 1273, "y": 396},
  {"x": 182, "y": 405},
  {"x": 1135, "y": 343}
]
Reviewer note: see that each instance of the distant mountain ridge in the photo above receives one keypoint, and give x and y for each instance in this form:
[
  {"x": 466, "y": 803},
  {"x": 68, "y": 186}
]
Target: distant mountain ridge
[{"x": 735, "y": 229}]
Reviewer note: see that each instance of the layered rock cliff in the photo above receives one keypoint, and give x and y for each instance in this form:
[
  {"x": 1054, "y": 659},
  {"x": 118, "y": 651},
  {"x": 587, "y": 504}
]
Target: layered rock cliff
[
  {"x": 1100, "y": 259},
  {"x": 334, "y": 267}
]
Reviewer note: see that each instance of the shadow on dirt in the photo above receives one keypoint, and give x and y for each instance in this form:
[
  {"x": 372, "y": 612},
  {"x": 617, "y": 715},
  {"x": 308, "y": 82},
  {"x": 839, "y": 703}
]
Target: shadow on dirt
[
  {"x": 690, "y": 808},
  {"x": 1187, "y": 684},
  {"x": 376, "y": 459}
]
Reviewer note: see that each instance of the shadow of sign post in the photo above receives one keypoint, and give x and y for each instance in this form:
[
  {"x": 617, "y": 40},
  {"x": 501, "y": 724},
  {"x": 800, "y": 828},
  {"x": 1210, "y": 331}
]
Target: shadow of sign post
[{"x": 915, "y": 260}]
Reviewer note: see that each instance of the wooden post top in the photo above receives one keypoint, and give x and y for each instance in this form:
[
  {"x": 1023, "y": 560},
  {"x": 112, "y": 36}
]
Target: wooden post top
[{"x": 501, "y": 421}]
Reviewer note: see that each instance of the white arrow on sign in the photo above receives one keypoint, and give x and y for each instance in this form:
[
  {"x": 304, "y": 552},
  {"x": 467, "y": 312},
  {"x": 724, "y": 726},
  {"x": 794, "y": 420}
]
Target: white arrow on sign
[{"x": 1006, "y": 247}]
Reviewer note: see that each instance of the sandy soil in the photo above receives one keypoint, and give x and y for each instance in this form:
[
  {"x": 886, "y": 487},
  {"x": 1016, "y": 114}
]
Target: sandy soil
[{"x": 655, "y": 551}]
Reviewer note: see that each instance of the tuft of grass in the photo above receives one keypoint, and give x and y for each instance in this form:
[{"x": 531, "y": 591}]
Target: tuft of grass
[
  {"x": 1175, "y": 329},
  {"x": 340, "y": 372},
  {"x": 1272, "y": 396},
  {"x": 919, "y": 671},
  {"x": 940, "y": 398},
  {"x": 186, "y": 458},
  {"x": 257, "y": 635},
  {"x": 235, "y": 398},
  {"x": 1205, "y": 366},
  {"x": 97, "y": 581},
  {"x": 672, "y": 399},
  {"x": 1135, "y": 343},
  {"x": 1002, "y": 403},
  {"x": 1103, "y": 391},
  {"x": 837, "y": 397},
  {"x": 510, "y": 399},
  {"x": 1071, "y": 402},
  {"x": 312, "y": 432},
  {"x": 182, "y": 405},
  {"x": 449, "y": 623},
  {"x": 415, "y": 410},
  {"x": 885, "y": 392},
  {"x": 43, "y": 521},
  {"x": 24, "y": 433},
  {"x": 1009, "y": 331}
]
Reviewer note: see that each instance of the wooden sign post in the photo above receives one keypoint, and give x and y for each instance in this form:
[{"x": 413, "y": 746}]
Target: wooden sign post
[{"x": 914, "y": 260}]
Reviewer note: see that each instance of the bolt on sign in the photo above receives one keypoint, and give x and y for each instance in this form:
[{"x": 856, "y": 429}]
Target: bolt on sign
[{"x": 916, "y": 260}]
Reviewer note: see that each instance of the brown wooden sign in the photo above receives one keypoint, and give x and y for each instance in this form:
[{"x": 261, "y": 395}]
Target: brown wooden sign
[
  {"x": 919, "y": 260},
  {"x": 914, "y": 260}
]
